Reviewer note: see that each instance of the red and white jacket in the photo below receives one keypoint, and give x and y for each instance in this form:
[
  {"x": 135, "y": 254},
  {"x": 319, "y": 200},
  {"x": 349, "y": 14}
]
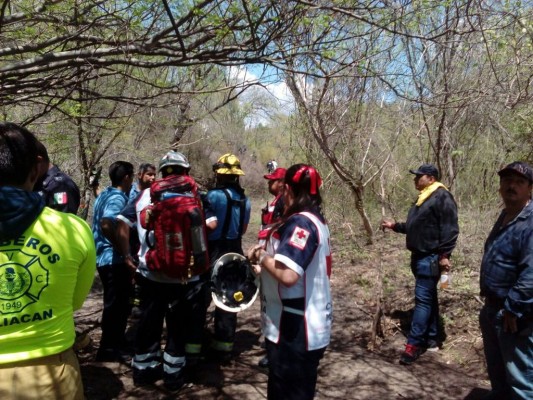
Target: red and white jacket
[
  {"x": 267, "y": 219},
  {"x": 305, "y": 250}
]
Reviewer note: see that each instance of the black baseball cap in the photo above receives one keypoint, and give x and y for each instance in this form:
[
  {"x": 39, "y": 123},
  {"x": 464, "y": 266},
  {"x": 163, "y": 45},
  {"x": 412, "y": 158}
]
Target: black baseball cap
[
  {"x": 519, "y": 168},
  {"x": 426, "y": 169}
]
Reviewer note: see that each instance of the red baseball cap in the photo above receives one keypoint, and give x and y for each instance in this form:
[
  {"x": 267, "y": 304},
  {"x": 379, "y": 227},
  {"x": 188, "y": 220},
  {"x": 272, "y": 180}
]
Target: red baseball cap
[{"x": 279, "y": 173}]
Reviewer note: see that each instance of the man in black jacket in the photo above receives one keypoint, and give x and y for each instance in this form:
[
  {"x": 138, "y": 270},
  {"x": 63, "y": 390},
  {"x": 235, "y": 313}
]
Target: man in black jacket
[
  {"x": 431, "y": 233},
  {"x": 58, "y": 189}
]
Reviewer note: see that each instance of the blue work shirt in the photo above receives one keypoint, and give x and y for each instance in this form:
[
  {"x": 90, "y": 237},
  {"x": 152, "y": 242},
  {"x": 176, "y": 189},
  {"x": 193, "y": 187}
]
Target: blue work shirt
[
  {"x": 507, "y": 264},
  {"x": 108, "y": 204},
  {"x": 219, "y": 205},
  {"x": 134, "y": 192}
]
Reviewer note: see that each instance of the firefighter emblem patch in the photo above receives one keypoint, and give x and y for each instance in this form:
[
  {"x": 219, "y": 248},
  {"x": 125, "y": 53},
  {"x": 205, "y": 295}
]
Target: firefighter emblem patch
[{"x": 21, "y": 284}]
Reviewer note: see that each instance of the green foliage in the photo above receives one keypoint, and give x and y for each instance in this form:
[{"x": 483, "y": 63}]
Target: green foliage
[{"x": 387, "y": 86}]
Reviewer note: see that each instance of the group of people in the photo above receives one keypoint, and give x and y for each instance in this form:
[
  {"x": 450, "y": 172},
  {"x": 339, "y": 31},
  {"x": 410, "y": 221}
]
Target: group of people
[
  {"x": 293, "y": 254},
  {"x": 48, "y": 258},
  {"x": 506, "y": 277}
]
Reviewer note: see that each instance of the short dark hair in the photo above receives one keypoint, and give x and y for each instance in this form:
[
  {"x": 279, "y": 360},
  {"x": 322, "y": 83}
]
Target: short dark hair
[
  {"x": 18, "y": 154},
  {"x": 119, "y": 170},
  {"x": 42, "y": 152},
  {"x": 145, "y": 167}
]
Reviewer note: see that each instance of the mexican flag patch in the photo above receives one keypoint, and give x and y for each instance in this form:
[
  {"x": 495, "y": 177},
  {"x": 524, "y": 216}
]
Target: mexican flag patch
[{"x": 60, "y": 198}]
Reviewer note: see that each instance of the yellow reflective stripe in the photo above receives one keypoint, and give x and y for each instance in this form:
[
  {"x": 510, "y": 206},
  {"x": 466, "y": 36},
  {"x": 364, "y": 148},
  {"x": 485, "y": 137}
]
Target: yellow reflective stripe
[
  {"x": 192, "y": 348},
  {"x": 222, "y": 346}
]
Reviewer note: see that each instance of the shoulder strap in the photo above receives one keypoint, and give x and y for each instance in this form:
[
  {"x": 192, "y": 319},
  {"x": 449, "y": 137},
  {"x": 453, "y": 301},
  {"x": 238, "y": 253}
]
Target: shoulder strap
[
  {"x": 47, "y": 180},
  {"x": 230, "y": 203},
  {"x": 242, "y": 203}
]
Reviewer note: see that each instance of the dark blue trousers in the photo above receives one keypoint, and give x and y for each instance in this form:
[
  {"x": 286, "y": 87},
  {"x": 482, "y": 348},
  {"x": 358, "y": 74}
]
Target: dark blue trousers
[
  {"x": 426, "y": 313},
  {"x": 118, "y": 288},
  {"x": 293, "y": 370}
]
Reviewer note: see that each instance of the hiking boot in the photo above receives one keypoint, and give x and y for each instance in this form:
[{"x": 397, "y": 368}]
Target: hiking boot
[{"x": 410, "y": 355}]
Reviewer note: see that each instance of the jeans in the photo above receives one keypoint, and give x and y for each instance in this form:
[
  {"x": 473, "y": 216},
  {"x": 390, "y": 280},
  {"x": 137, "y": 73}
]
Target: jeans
[
  {"x": 509, "y": 356},
  {"x": 426, "y": 314}
]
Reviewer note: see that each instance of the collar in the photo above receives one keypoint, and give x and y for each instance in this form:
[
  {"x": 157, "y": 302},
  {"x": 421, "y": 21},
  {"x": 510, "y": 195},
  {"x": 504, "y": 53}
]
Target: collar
[
  {"x": 526, "y": 211},
  {"x": 428, "y": 191}
]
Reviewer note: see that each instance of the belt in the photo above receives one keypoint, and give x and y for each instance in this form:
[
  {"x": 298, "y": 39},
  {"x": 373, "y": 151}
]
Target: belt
[
  {"x": 494, "y": 302},
  {"x": 293, "y": 310}
]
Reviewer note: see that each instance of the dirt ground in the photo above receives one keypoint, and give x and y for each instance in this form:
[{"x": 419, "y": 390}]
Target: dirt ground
[{"x": 350, "y": 369}]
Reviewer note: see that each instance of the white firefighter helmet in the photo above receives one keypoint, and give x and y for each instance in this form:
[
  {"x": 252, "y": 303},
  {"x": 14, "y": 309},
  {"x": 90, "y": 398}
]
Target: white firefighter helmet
[
  {"x": 233, "y": 283},
  {"x": 174, "y": 158}
]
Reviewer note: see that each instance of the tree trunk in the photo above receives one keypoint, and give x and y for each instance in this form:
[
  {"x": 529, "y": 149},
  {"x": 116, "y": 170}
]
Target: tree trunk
[{"x": 360, "y": 207}]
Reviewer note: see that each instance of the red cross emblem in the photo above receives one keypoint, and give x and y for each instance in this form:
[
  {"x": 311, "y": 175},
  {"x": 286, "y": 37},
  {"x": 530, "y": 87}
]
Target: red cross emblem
[{"x": 299, "y": 238}]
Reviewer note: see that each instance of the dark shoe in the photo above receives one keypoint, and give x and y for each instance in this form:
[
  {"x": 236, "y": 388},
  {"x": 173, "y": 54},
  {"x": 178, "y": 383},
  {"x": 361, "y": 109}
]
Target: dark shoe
[
  {"x": 112, "y": 355},
  {"x": 433, "y": 346},
  {"x": 263, "y": 363},
  {"x": 172, "y": 382},
  {"x": 146, "y": 377},
  {"x": 410, "y": 355}
]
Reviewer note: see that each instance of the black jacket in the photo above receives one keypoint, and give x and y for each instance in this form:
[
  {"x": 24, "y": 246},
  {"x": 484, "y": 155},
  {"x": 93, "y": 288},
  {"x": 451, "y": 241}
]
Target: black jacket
[
  {"x": 59, "y": 191},
  {"x": 431, "y": 228}
]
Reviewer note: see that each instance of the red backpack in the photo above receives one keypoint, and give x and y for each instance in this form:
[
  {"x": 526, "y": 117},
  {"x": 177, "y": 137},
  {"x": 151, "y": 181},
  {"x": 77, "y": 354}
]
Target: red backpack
[{"x": 176, "y": 216}]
